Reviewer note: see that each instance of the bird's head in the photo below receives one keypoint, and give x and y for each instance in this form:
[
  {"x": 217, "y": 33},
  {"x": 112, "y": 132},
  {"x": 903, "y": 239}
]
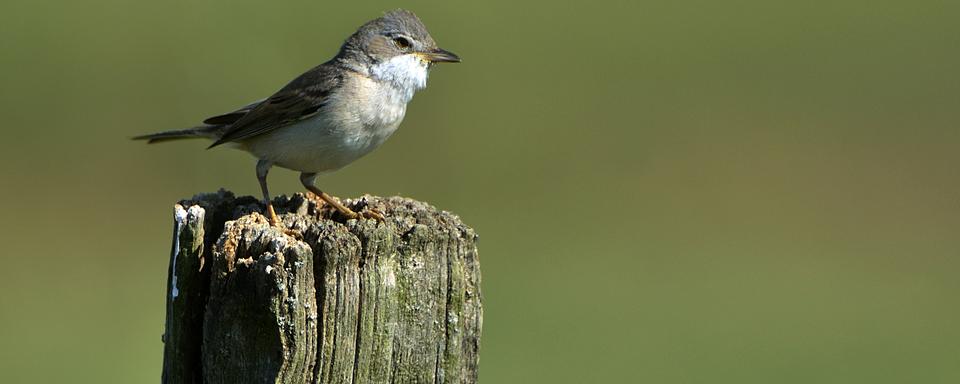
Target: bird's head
[{"x": 396, "y": 48}]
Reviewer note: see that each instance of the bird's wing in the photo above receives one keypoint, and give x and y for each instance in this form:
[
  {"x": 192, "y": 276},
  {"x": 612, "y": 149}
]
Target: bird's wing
[
  {"x": 302, "y": 98},
  {"x": 232, "y": 117}
]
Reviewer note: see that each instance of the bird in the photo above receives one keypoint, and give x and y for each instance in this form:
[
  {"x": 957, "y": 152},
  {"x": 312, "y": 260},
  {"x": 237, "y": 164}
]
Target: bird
[{"x": 334, "y": 113}]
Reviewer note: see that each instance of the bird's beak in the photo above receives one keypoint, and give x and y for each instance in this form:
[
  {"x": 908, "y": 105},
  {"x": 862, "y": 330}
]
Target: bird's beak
[{"x": 440, "y": 56}]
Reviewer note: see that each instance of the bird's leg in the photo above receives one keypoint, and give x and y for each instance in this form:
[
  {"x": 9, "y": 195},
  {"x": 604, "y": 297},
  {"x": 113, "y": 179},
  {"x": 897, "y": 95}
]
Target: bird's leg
[
  {"x": 263, "y": 166},
  {"x": 307, "y": 180}
]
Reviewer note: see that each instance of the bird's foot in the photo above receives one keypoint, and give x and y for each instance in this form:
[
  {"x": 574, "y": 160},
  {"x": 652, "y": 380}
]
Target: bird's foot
[
  {"x": 278, "y": 224},
  {"x": 323, "y": 200},
  {"x": 272, "y": 215},
  {"x": 368, "y": 214}
]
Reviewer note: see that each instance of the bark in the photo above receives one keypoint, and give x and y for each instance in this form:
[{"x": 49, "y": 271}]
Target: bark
[{"x": 335, "y": 301}]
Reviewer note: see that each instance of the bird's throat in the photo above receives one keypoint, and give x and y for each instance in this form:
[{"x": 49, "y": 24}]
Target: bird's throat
[{"x": 406, "y": 73}]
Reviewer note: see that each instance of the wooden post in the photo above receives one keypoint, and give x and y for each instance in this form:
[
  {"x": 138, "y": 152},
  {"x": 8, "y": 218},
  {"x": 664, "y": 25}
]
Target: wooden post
[{"x": 337, "y": 302}]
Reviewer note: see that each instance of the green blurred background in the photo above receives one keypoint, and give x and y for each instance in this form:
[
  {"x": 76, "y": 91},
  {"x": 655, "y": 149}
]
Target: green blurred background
[{"x": 666, "y": 191}]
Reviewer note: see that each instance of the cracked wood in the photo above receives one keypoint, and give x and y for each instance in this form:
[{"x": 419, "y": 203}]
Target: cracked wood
[{"x": 345, "y": 302}]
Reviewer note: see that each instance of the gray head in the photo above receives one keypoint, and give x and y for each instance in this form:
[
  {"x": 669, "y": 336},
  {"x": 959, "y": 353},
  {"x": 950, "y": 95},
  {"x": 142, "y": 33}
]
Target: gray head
[{"x": 397, "y": 33}]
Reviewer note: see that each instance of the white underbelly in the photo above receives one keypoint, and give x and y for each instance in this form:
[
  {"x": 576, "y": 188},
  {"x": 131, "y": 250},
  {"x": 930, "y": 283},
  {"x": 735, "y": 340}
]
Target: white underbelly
[
  {"x": 356, "y": 119},
  {"x": 318, "y": 144}
]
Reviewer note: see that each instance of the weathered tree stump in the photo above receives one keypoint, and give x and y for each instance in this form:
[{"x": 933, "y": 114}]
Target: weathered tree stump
[{"x": 355, "y": 301}]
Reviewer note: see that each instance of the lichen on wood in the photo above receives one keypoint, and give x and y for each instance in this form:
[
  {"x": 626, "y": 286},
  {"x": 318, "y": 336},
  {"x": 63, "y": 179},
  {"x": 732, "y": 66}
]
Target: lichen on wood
[{"x": 355, "y": 301}]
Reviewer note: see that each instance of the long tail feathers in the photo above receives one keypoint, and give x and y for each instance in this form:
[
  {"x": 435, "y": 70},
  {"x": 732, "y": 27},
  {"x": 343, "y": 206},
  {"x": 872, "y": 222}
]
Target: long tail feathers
[{"x": 180, "y": 134}]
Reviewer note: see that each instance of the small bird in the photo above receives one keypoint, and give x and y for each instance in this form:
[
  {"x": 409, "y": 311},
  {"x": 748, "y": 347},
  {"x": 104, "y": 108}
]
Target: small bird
[{"x": 334, "y": 113}]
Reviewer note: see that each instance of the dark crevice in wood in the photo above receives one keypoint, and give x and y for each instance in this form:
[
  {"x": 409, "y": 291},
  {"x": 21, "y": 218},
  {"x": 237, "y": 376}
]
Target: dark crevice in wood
[
  {"x": 356, "y": 340},
  {"x": 320, "y": 265},
  {"x": 338, "y": 309}
]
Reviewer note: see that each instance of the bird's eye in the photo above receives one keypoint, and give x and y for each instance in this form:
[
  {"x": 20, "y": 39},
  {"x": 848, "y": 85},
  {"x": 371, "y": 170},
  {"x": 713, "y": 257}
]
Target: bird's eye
[{"x": 401, "y": 42}]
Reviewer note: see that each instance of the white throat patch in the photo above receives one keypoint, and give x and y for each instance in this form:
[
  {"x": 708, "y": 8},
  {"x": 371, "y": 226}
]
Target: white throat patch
[{"x": 407, "y": 73}]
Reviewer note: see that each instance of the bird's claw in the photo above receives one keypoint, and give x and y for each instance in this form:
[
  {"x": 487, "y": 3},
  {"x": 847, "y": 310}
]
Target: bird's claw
[
  {"x": 373, "y": 214},
  {"x": 366, "y": 214},
  {"x": 287, "y": 231},
  {"x": 272, "y": 216},
  {"x": 278, "y": 224}
]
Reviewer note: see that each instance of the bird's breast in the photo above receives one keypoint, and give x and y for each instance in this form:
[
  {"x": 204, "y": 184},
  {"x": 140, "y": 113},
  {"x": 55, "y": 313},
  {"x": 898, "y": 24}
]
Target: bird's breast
[
  {"x": 377, "y": 104},
  {"x": 355, "y": 121}
]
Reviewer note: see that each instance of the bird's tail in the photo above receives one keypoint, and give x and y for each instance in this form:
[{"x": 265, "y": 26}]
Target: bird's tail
[{"x": 202, "y": 132}]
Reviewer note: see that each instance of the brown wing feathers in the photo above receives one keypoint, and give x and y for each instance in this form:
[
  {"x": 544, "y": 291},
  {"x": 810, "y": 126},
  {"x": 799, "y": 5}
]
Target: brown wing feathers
[{"x": 301, "y": 98}]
